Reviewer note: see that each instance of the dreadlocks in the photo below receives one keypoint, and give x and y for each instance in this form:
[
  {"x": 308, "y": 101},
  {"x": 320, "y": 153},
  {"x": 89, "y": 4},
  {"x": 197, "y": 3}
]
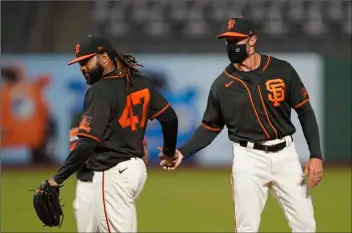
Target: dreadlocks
[{"x": 126, "y": 65}]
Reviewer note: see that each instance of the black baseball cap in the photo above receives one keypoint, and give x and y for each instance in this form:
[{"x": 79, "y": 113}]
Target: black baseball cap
[
  {"x": 238, "y": 27},
  {"x": 90, "y": 47}
]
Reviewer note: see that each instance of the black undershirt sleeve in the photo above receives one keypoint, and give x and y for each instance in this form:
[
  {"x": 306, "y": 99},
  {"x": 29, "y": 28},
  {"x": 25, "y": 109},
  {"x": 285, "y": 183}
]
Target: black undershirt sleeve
[
  {"x": 78, "y": 156},
  {"x": 161, "y": 110},
  {"x": 201, "y": 138},
  {"x": 169, "y": 125},
  {"x": 310, "y": 129},
  {"x": 299, "y": 100}
]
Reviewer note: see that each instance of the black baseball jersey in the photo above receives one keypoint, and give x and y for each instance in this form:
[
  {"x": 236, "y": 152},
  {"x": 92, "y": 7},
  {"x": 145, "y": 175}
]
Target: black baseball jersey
[
  {"x": 83, "y": 173},
  {"x": 255, "y": 106},
  {"x": 117, "y": 120}
]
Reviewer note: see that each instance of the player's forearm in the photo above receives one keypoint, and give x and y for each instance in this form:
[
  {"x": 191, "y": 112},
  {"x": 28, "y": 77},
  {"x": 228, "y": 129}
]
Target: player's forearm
[
  {"x": 201, "y": 138},
  {"x": 169, "y": 124},
  {"x": 310, "y": 129},
  {"x": 83, "y": 150}
]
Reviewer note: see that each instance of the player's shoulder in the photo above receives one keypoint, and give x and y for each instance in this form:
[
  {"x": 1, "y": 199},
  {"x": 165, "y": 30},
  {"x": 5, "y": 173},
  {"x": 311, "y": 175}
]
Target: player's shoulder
[
  {"x": 106, "y": 87},
  {"x": 280, "y": 67},
  {"x": 277, "y": 63},
  {"x": 100, "y": 85},
  {"x": 94, "y": 90},
  {"x": 141, "y": 81},
  {"x": 222, "y": 78}
]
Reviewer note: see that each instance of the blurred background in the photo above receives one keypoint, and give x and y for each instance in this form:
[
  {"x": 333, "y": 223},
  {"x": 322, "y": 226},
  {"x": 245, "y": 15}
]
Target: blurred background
[{"x": 175, "y": 41}]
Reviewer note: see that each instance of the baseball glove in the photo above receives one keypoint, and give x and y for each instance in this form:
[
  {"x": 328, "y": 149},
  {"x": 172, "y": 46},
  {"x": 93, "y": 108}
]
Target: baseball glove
[{"x": 46, "y": 203}]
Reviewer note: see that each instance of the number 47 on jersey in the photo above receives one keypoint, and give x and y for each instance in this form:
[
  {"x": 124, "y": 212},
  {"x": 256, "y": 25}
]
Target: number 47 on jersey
[{"x": 128, "y": 119}]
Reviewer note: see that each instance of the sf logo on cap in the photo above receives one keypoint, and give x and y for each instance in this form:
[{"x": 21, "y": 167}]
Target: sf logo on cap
[
  {"x": 231, "y": 24},
  {"x": 77, "y": 48}
]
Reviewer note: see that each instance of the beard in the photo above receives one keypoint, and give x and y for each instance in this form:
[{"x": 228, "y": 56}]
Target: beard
[{"x": 94, "y": 74}]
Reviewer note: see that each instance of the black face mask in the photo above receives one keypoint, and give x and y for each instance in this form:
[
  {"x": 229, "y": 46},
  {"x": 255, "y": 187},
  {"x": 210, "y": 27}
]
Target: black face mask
[{"x": 237, "y": 52}]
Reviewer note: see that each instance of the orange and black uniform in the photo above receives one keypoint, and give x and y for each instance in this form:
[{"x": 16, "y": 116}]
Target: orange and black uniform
[
  {"x": 256, "y": 106},
  {"x": 113, "y": 124}
]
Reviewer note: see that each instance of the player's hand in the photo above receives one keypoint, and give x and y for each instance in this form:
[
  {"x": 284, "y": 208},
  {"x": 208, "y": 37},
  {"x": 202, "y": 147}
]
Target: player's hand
[
  {"x": 52, "y": 182},
  {"x": 168, "y": 163},
  {"x": 315, "y": 169}
]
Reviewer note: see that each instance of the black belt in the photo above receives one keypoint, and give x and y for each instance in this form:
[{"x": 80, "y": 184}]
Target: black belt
[
  {"x": 266, "y": 148},
  {"x": 85, "y": 180}
]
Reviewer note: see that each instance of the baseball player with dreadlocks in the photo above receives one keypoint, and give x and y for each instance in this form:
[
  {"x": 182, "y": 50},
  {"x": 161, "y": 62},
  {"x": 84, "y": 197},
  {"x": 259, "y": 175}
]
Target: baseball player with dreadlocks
[{"x": 117, "y": 107}]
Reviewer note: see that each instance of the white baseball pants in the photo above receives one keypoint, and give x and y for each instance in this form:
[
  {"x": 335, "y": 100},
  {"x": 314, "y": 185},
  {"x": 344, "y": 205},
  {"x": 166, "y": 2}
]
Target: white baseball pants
[
  {"x": 115, "y": 193},
  {"x": 255, "y": 172},
  {"x": 83, "y": 205}
]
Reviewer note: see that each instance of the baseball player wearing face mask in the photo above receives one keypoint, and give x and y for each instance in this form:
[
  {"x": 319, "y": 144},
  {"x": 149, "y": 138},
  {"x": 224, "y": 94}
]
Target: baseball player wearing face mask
[{"x": 253, "y": 97}]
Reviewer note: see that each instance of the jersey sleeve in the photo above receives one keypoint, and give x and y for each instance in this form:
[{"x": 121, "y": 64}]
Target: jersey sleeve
[
  {"x": 95, "y": 117},
  {"x": 158, "y": 103},
  {"x": 297, "y": 93},
  {"x": 212, "y": 118}
]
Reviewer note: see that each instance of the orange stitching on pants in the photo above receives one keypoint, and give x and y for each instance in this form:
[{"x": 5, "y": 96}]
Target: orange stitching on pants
[
  {"x": 105, "y": 211},
  {"x": 233, "y": 196}
]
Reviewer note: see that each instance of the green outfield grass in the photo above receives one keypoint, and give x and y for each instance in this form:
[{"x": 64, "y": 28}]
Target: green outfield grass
[{"x": 180, "y": 201}]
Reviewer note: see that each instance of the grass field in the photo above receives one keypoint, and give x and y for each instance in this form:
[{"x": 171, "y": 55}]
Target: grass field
[{"x": 181, "y": 201}]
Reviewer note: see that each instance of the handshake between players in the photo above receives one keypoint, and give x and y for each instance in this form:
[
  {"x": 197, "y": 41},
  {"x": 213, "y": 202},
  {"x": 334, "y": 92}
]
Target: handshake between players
[{"x": 168, "y": 163}]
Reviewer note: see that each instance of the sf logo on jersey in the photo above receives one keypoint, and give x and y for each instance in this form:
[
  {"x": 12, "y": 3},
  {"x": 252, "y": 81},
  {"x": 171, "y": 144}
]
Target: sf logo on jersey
[{"x": 276, "y": 87}]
